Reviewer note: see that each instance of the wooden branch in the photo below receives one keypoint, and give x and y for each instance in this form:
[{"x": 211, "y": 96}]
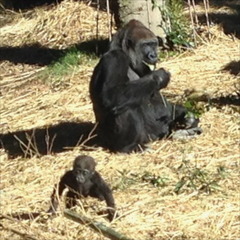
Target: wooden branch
[
  {"x": 96, "y": 226},
  {"x": 206, "y": 7},
  {"x": 23, "y": 235},
  {"x": 193, "y": 27},
  {"x": 109, "y": 22},
  {"x": 195, "y": 13},
  {"x": 97, "y": 26}
]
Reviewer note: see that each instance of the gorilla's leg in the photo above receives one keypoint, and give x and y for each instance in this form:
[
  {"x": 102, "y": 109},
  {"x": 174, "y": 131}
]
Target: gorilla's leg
[
  {"x": 185, "y": 125},
  {"x": 182, "y": 118}
]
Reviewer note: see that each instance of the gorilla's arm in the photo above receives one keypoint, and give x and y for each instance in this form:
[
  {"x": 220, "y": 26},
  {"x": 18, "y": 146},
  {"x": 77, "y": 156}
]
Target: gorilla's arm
[
  {"x": 118, "y": 92},
  {"x": 66, "y": 180},
  {"x": 134, "y": 93},
  {"x": 102, "y": 191}
]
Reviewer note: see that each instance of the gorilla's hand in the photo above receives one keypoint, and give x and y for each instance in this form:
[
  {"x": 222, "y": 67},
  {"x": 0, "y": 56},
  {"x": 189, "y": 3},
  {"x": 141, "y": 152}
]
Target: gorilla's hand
[{"x": 162, "y": 77}]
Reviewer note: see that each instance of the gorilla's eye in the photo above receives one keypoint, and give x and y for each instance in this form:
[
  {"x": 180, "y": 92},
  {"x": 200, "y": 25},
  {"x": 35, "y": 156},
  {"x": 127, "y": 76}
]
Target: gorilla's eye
[
  {"x": 152, "y": 44},
  {"x": 85, "y": 172}
]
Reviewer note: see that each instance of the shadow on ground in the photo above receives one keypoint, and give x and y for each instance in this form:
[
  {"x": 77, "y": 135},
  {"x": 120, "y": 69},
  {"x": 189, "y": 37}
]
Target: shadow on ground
[
  {"x": 27, "y": 4},
  {"x": 53, "y": 139},
  {"x": 229, "y": 21},
  {"x": 233, "y": 99},
  {"x": 68, "y": 135},
  {"x": 38, "y": 55},
  {"x": 232, "y": 67},
  {"x": 32, "y": 54}
]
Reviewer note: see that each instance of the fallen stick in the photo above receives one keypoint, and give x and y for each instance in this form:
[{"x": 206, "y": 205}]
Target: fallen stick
[
  {"x": 96, "y": 226},
  {"x": 23, "y": 235}
]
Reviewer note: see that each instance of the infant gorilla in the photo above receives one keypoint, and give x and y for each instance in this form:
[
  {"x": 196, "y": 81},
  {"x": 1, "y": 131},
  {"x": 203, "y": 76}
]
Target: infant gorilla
[{"x": 83, "y": 180}]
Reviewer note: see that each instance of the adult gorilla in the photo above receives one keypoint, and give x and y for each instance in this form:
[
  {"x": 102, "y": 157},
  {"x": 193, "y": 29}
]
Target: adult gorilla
[{"x": 129, "y": 109}]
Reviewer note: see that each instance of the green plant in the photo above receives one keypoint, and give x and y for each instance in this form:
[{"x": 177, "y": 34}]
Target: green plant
[
  {"x": 156, "y": 181},
  {"x": 201, "y": 180},
  {"x": 176, "y": 25},
  {"x": 125, "y": 180},
  {"x": 167, "y": 54},
  {"x": 194, "y": 108},
  {"x": 66, "y": 65}
]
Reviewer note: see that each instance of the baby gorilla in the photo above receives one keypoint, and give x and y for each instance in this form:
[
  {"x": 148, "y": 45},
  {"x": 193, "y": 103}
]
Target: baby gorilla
[{"x": 83, "y": 180}]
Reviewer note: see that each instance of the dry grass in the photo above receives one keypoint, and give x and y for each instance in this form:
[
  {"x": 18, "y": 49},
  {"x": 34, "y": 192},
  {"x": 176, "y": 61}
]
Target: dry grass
[
  {"x": 58, "y": 27},
  {"x": 147, "y": 212}
]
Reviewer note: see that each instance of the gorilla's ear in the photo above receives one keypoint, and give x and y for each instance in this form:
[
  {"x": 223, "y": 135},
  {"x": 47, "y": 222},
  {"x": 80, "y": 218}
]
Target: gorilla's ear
[{"x": 129, "y": 43}]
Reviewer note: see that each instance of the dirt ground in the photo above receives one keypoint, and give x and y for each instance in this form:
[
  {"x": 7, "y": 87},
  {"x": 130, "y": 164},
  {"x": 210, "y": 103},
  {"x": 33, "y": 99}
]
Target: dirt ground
[{"x": 180, "y": 190}]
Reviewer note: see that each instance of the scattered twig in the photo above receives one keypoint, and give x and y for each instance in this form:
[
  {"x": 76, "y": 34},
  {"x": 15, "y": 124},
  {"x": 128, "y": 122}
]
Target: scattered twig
[
  {"x": 24, "y": 147},
  {"x": 96, "y": 226},
  {"x": 206, "y": 7},
  {"x": 97, "y": 19},
  {"x": 12, "y": 78},
  {"x": 195, "y": 13},
  {"x": 109, "y": 22},
  {"x": 193, "y": 27},
  {"x": 25, "y": 236},
  {"x": 90, "y": 135},
  {"x": 48, "y": 143},
  {"x": 30, "y": 147}
]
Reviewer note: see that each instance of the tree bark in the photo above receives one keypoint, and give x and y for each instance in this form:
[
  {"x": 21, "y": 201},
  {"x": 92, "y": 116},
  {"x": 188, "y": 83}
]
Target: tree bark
[{"x": 149, "y": 12}]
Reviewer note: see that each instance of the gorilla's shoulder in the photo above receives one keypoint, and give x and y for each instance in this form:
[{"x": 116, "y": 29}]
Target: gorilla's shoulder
[{"x": 115, "y": 54}]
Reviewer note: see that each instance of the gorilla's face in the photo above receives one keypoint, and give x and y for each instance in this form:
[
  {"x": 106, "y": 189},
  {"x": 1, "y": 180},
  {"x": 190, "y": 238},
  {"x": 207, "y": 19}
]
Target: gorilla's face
[
  {"x": 142, "y": 51},
  {"x": 148, "y": 50},
  {"x": 83, "y": 168}
]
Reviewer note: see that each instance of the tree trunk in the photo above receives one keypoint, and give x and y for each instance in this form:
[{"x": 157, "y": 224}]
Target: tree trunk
[{"x": 149, "y": 12}]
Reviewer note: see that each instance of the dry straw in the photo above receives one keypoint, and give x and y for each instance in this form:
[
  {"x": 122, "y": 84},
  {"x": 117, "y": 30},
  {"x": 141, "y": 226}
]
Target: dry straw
[
  {"x": 147, "y": 212},
  {"x": 65, "y": 24}
]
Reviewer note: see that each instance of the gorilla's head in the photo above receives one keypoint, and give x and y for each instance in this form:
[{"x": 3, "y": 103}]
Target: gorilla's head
[
  {"x": 83, "y": 168},
  {"x": 138, "y": 42}
]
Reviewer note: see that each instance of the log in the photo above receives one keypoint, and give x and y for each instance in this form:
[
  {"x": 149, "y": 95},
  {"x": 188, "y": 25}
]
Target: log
[{"x": 96, "y": 226}]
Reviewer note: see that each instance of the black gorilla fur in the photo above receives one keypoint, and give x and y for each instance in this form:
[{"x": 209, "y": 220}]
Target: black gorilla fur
[
  {"x": 84, "y": 181},
  {"x": 129, "y": 109}
]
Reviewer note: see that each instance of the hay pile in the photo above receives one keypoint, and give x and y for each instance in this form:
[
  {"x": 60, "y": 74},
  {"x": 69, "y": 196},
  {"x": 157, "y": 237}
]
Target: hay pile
[
  {"x": 147, "y": 211},
  {"x": 58, "y": 27}
]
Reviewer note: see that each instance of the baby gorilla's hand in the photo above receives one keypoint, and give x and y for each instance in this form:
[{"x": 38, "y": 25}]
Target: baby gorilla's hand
[{"x": 162, "y": 77}]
